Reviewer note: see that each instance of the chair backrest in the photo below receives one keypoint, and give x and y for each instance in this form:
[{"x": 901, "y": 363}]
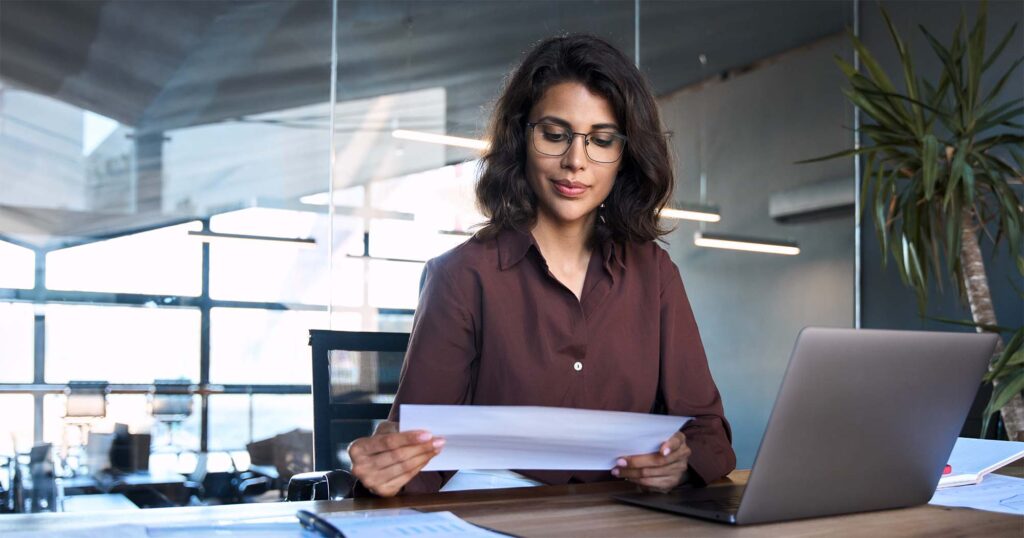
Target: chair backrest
[{"x": 355, "y": 377}]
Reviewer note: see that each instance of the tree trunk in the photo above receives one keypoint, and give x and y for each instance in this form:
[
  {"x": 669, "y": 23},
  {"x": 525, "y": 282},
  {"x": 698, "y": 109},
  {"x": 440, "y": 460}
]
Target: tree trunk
[{"x": 982, "y": 311}]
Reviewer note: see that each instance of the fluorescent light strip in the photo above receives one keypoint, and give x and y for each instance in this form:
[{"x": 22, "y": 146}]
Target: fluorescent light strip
[
  {"x": 211, "y": 237},
  {"x": 470, "y": 143},
  {"x": 730, "y": 242},
  {"x": 383, "y": 259},
  {"x": 703, "y": 215}
]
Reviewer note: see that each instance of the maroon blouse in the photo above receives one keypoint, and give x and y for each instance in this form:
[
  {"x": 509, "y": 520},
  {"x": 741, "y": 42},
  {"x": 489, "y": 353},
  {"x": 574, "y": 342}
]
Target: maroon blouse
[{"x": 495, "y": 327}]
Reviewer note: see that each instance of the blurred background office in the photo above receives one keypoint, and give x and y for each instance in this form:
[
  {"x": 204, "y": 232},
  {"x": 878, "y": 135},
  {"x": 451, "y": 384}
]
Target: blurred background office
[{"x": 188, "y": 187}]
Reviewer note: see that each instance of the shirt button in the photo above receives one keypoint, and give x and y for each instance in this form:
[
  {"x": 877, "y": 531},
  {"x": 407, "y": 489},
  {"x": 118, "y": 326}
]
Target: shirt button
[{"x": 577, "y": 366}]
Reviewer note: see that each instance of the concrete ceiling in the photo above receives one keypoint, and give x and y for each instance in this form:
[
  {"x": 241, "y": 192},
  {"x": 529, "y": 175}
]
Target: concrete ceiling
[{"x": 166, "y": 64}]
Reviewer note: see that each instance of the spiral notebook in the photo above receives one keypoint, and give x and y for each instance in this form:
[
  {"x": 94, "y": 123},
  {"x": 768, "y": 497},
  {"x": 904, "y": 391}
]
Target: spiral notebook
[{"x": 972, "y": 459}]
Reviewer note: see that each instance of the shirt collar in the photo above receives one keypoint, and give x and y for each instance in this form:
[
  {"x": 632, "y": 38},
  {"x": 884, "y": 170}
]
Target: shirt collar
[
  {"x": 512, "y": 247},
  {"x": 514, "y": 244}
]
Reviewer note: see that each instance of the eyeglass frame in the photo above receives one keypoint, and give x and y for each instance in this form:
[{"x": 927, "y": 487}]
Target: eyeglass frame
[{"x": 572, "y": 137}]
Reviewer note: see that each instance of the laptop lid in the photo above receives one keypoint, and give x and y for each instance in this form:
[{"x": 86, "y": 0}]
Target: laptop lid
[{"x": 864, "y": 420}]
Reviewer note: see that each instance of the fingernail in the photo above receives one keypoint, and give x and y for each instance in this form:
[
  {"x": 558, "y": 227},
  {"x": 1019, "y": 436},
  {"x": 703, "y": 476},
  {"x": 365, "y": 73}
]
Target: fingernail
[
  {"x": 665, "y": 451},
  {"x": 438, "y": 443},
  {"x": 424, "y": 437},
  {"x": 615, "y": 471},
  {"x": 621, "y": 462}
]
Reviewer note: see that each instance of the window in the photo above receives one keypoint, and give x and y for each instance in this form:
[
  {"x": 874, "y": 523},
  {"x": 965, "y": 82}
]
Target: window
[
  {"x": 272, "y": 414},
  {"x": 164, "y": 261},
  {"x": 18, "y": 269},
  {"x": 17, "y": 349},
  {"x": 394, "y": 284},
  {"x": 250, "y": 346},
  {"x": 261, "y": 271},
  {"x": 16, "y": 429},
  {"x": 121, "y": 344}
]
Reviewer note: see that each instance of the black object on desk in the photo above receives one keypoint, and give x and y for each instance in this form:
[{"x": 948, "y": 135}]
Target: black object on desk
[{"x": 314, "y": 523}]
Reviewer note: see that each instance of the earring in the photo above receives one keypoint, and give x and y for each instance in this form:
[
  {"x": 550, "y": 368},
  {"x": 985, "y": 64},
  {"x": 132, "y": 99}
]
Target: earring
[{"x": 600, "y": 213}]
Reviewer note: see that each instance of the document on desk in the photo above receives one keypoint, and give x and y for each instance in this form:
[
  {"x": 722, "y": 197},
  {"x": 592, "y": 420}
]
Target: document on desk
[
  {"x": 538, "y": 438},
  {"x": 997, "y": 493},
  {"x": 973, "y": 459},
  {"x": 97, "y": 531},
  {"x": 421, "y": 525}
]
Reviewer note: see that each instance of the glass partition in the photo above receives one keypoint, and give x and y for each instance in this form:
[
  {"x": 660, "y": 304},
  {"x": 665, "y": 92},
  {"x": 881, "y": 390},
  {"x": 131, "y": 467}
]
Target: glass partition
[{"x": 185, "y": 192}]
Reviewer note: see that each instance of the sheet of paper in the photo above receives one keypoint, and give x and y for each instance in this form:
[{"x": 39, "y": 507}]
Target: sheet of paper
[
  {"x": 973, "y": 456},
  {"x": 109, "y": 531},
  {"x": 267, "y": 527},
  {"x": 424, "y": 525},
  {"x": 997, "y": 493},
  {"x": 540, "y": 438}
]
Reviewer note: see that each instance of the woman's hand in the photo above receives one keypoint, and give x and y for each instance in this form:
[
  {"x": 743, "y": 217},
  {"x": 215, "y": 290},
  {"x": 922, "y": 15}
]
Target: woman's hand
[
  {"x": 388, "y": 460},
  {"x": 660, "y": 471}
]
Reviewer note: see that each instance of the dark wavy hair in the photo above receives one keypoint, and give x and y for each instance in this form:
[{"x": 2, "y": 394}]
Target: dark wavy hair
[{"x": 644, "y": 183}]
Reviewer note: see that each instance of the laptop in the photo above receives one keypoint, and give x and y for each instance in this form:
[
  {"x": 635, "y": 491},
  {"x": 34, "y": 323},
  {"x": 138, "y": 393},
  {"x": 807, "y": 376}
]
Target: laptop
[{"x": 864, "y": 420}]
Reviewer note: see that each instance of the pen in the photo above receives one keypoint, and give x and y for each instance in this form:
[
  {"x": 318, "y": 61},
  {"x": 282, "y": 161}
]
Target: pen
[{"x": 316, "y": 524}]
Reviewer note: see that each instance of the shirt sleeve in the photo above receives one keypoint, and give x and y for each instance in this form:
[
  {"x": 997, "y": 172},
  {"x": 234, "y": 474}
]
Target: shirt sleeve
[
  {"x": 440, "y": 362},
  {"x": 686, "y": 383}
]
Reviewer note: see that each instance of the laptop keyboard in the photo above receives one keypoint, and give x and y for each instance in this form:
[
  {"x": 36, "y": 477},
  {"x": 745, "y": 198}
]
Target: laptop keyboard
[{"x": 723, "y": 498}]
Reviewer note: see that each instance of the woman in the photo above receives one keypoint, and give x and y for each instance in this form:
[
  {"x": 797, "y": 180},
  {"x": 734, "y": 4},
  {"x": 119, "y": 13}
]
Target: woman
[{"x": 563, "y": 299}]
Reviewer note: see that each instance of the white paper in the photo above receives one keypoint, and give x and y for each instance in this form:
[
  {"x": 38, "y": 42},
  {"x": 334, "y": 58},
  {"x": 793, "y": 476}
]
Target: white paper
[
  {"x": 269, "y": 527},
  {"x": 973, "y": 458},
  {"x": 540, "y": 438},
  {"x": 424, "y": 525},
  {"x": 108, "y": 531},
  {"x": 997, "y": 493}
]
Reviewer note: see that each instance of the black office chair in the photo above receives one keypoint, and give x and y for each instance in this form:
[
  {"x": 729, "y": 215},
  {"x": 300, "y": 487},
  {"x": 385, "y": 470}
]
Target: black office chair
[{"x": 354, "y": 376}]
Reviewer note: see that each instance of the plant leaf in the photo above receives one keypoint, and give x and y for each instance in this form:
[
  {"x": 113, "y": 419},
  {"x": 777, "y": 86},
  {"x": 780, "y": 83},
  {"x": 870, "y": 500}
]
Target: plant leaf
[
  {"x": 844, "y": 153},
  {"x": 872, "y": 65},
  {"x": 956, "y": 169},
  {"x": 971, "y": 324},
  {"x": 909, "y": 79},
  {"x": 950, "y": 59},
  {"x": 976, "y": 55},
  {"x": 999, "y": 48},
  {"x": 929, "y": 164},
  {"x": 968, "y": 180},
  {"x": 1011, "y": 348},
  {"x": 1005, "y": 392},
  {"x": 912, "y": 100},
  {"x": 1002, "y": 82}
]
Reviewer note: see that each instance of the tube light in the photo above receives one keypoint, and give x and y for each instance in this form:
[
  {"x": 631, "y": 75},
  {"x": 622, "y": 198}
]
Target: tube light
[
  {"x": 433, "y": 138},
  {"x": 733, "y": 242},
  {"x": 702, "y": 213},
  {"x": 212, "y": 237}
]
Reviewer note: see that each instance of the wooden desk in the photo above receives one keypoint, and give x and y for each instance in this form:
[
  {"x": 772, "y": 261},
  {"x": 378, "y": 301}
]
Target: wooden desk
[{"x": 572, "y": 510}]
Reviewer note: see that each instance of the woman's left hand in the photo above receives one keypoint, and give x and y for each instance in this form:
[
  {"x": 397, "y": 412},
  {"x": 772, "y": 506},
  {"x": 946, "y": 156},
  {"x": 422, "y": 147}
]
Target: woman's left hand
[{"x": 659, "y": 471}]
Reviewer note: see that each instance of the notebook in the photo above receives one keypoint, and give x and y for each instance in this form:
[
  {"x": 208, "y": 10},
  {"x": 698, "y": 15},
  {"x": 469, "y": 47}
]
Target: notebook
[{"x": 972, "y": 459}]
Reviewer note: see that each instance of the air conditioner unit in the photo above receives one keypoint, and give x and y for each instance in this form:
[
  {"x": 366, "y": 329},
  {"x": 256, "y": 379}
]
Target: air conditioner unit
[{"x": 819, "y": 200}]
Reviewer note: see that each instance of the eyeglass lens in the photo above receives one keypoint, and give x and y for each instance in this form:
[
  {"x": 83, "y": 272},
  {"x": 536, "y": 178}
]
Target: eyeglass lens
[{"x": 554, "y": 140}]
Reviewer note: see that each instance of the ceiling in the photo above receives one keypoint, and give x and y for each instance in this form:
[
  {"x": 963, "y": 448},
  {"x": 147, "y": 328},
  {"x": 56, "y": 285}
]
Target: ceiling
[{"x": 167, "y": 64}]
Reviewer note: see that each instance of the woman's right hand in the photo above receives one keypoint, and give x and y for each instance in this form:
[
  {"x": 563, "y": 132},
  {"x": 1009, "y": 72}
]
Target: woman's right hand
[{"x": 389, "y": 459}]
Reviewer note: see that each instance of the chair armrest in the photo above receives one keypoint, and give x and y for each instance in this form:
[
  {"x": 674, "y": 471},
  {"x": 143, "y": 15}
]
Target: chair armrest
[{"x": 320, "y": 486}]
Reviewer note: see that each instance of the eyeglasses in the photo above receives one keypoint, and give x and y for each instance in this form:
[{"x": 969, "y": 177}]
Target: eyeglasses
[{"x": 554, "y": 140}]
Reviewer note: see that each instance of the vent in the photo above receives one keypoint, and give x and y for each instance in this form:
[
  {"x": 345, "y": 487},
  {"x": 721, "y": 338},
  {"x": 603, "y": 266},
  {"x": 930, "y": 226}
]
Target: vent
[{"x": 827, "y": 199}]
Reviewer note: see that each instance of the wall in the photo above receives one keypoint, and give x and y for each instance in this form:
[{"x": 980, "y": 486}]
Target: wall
[{"x": 750, "y": 307}]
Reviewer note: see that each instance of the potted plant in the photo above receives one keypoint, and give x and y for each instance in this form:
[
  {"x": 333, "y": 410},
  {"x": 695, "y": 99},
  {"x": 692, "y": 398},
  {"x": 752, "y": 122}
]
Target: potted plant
[{"x": 937, "y": 179}]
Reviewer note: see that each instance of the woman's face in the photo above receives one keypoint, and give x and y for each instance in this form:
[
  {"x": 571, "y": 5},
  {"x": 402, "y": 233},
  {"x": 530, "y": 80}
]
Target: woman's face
[{"x": 570, "y": 187}]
